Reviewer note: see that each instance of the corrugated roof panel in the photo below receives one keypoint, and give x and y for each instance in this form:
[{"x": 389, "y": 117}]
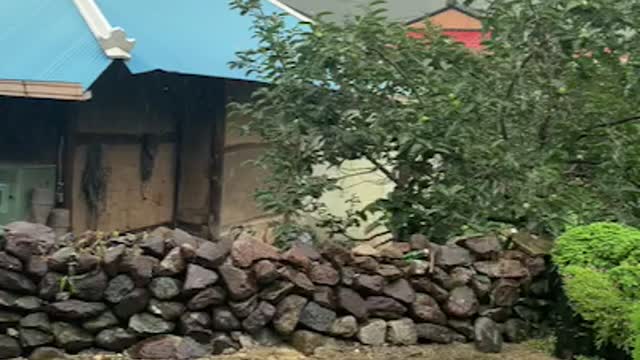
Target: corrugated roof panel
[
  {"x": 47, "y": 40},
  {"x": 188, "y": 36}
]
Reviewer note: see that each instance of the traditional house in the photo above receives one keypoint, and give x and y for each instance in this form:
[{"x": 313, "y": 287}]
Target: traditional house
[{"x": 115, "y": 111}]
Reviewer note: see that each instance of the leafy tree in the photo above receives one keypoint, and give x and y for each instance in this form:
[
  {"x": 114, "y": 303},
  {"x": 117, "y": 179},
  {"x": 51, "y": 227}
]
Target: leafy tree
[{"x": 538, "y": 131}]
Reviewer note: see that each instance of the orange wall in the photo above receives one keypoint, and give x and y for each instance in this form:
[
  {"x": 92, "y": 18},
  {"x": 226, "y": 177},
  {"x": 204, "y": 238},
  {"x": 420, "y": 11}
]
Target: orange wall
[{"x": 452, "y": 19}]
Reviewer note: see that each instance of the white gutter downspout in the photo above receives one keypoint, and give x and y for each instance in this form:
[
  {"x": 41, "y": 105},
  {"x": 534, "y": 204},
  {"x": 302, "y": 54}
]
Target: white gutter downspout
[
  {"x": 113, "y": 40},
  {"x": 298, "y": 15}
]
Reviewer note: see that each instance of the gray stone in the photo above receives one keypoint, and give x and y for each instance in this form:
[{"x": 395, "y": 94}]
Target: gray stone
[
  {"x": 317, "y": 318},
  {"x": 132, "y": 303},
  {"x": 276, "y": 291},
  {"x": 352, "y": 302},
  {"x": 105, "y": 320},
  {"x": 8, "y": 319},
  {"x": 461, "y": 276},
  {"x": 9, "y": 347},
  {"x": 239, "y": 282},
  {"x": 224, "y": 320},
  {"x": 385, "y": 308},
  {"x": 481, "y": 285},
  {"x": 75, "y": 309},
  {"x": 223, "y": 344},
  {"x": 50, "y": 286},
  {"x": 344, "y": 327},
  {"x": 265, "y": 272},
  {"x": 438, "y": 334},
  {"x": 118, "y": 288},
  {"x": 402, "y": 332},
  {"x": 488, "y": 338},
  {"x": 462, "y": 303},
  {"x": 207, "y": 297},
  {"x": 419, "y": 242},
  {"x": 147, "y": 324},
  {"x": 211, "y": 255},
  {"x": 267, "y": 337},
  {"x": 165, "y": 347},
  {"x": 288, "y": 314},
  {"x": 9, "y": 262},
  {"x": 24, "y": 239},
  {"x": 451, "y": 255},
  {"x": 390, "y": 272},
  {"x": 442, "y": 278},
  {"x": 418, "y": 268},
  {"x": 31, "y": 338},
  {"x": 373, "y": 333},
  {"x": 116, "y": 339},
  {"x": 165, "y": 288},
  {"x": 141, "y": 268},
  {"x": 464, "y": 327},
  {"x": 400, "y": 290},
  {"x": 172, "y": 264},
  {"x": 199, "y": 278},
  {"x": 16, "y": 282},
  {"x": 307, "y": 342},
  {"x": 166, "y": 309},
  {"x": 369, "y": 284},
  {"x": 528, "y": 314},
  {"x": 48, "y": 353},
  {"x": 426, "y": 308},
  {"x": 112, "y": 259},
  {"x": 59, "y": 260},
  {"x": 39, "y": 321},
  {"x": 28, "y": 303},
  {"x": 153, "y": 245},
  {"x": 71, "y": 338},
  {"x": 89, "y": 286},
  {"x": 242, "y": 309},
  {"x": 325, "y": 296},
  {"x": 7, "y": 299},
  {"x": 516, "y": 330},
  {"x": 540, "y": 288},
  {"x": 196, "y": 325},
  {"x": 423, "y": 284},
  {"x": 260, "y": 317},
  {"x": 485, "y": 246},
  {"x": 500, "y": 314},
  {"x": 37, "y": 266},
  {"x": 299, "y": 279}
]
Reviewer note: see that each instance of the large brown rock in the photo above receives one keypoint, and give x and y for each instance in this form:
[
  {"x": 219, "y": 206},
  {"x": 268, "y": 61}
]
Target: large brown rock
[
  {"x": 426, "y": 308},
  {"x": 75, "y": 309},
  {"x": 451, "y": 255},
  {"x": 153, "y": 245},
  {"x": 338, "y": 255},
  {"x": 299, "y": 279},
  {"x": 504, "y": 268},
  {"x": 461, "y": 276},
  {"x": 351, "y": 302},
  {"x": 484, "y": 246},
  {"x": 462, "y": 303},
  {"x": 288, "y": 314},
  {"x": 324, "y": 274},
  {"x": 141, "y": 268},
  {"x": 505, "y": 292},
  {"x": 198, "y": 278},
  {"x": 240, "y": 283},
  {"x": 325, "y": 296},
  {"x": 400, "y": 290},
  {"x": 385, "y": 308},
  {"x": 390, "y": 272},
  {"x": 369, "y": 284},
  {"x": 165, "y": 347},
  {"x": 317, "y": 318},
  {"x": 438, "y": 334},
  {"x": 26, "y": 239},
  {"x": 246, "y": 251},
  {"x": 297, "y": 256}
]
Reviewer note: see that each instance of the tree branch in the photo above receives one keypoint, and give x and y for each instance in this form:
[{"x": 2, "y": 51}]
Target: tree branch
[
  {"x": 402, "y": 74},
  {"x": 613, "y": 123}
]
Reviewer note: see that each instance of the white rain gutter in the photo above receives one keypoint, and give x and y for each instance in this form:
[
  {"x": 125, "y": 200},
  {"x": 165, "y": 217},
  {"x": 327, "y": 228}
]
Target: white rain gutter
[
  {"x": 293, "y": 12},
  {"x": 113, "y": 40}
]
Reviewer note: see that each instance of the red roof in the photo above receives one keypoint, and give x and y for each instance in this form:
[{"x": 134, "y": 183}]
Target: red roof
[{"x": 470, "y": 39}]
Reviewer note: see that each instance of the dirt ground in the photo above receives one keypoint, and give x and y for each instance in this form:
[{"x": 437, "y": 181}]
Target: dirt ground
[{"x": 447, "y": 352}]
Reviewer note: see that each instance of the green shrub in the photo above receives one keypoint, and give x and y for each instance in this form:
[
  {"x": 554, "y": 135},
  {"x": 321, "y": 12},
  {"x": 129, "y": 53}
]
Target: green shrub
[{"x": 601, "y": 276}]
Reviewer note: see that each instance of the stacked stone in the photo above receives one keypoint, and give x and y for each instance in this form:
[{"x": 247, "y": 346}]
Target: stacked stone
[{"x": 171, "y": 294}]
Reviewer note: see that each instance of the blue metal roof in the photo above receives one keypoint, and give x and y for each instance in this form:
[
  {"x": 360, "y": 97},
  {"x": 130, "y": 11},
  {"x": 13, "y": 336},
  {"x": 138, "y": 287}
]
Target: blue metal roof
[{"x": 48, "y": 40}]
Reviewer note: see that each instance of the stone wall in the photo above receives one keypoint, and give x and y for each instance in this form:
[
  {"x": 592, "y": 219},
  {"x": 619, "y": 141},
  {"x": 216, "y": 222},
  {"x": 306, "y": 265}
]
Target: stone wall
[{"x": 167, "y": 294}]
